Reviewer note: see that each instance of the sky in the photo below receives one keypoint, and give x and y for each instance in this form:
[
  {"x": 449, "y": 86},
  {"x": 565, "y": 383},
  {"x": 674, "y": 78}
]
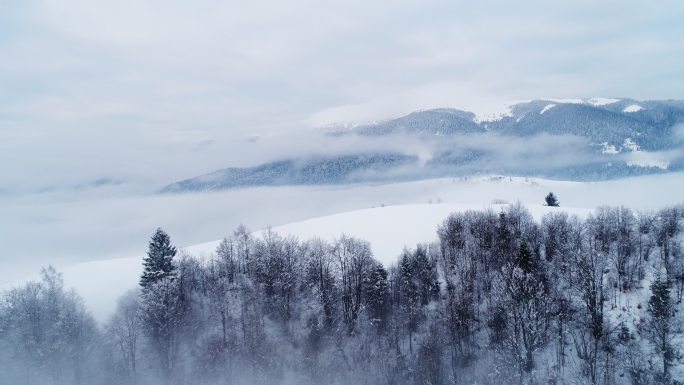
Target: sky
[
  {"x": 148, "y": 91},
  {"x": 104, "y": 102}
]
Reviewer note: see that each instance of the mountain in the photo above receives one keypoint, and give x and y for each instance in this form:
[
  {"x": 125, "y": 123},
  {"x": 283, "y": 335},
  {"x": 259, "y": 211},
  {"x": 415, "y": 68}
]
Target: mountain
[
  {"x": 648, "y": 123},
  {"x": 316, "y": 170},
  {"x": 573, "y": 139},
  {"x": 442, "y": 121},
  {"x": 600, "y": 120}
]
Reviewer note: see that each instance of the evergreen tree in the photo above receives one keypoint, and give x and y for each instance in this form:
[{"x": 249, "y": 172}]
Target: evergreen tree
[
  {"x": 526, "y": 260},
  {"x": 163, "y": 311},
  {"x": 378, "y": 295},
  {"x": 159, "y": 261},
  {"x": 410, "y": 301},
  {"x": 661, "y": 309},
  {"x": 551, "y": 200}
]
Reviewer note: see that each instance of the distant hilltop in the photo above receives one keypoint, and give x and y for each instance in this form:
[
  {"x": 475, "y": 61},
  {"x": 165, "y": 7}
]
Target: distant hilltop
[{"x": 572, "y": 139}]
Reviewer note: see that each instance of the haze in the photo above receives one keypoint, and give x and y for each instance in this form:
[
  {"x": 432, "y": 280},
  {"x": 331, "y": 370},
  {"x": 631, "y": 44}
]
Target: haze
[{"x": 101, "y": 104}]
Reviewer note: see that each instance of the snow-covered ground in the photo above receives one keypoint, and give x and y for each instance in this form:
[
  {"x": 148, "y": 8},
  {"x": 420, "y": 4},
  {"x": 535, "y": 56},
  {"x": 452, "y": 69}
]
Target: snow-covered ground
[
  {"x": 389, "y": 229},
  {"x": 602, "y": 101},
  {"x": 493, "y": 113},
  {"x": 648, "y": 159},
  {"x": 633, "y": 108},
  {"x": 547, "y": 107},
  {"x": 389, "y": 216},
  {"x": 496, "y": 111}
]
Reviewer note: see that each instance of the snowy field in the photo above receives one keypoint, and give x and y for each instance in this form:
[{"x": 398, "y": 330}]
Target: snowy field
[
  {"x": 412, "y": 212},
  {"x": 65, "y": 229},
  {"x": 388, "y": 229}
]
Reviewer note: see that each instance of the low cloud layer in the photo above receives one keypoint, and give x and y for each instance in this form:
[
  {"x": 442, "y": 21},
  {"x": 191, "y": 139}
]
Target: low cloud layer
[
  {"x": 102, "y": 103},
  {"x": 150, "y": 91}
]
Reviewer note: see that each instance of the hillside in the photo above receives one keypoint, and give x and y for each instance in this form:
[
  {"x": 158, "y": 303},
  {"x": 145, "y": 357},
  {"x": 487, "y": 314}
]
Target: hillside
[
  {"x": 583, "y": 140},
  {"x": 555, "y": 270},
  {"x": 389, "y": 229}
]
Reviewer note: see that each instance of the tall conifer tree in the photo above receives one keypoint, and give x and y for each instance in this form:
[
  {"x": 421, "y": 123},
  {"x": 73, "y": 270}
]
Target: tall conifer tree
[{"x": 159, "y": 261}]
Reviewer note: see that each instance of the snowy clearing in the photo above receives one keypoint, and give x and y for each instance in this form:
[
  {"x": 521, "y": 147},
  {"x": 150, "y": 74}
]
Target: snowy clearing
[
  {"x": 609, "y": 148},
  {"x": 493, "y": 113},
  {"x": 633, "y": 108},
  {"x": 602, "y": 101}
]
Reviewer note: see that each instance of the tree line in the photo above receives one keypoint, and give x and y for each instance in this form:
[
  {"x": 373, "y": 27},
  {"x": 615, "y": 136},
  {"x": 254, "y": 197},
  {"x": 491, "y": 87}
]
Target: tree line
[{"x": 498, "y": 298}]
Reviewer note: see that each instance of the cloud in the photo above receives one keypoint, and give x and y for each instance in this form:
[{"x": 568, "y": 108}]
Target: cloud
[
  {"x": 144, "y": 92},
  {"x": 678, "y": 132}
]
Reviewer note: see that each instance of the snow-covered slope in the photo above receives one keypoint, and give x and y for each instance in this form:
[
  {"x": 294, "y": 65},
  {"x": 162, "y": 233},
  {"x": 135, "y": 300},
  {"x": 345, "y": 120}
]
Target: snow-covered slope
[
  {"x": 83, "y": 230},
  {"x": 633, "y": 108},
  {"x": 335, "y": 211},
  {"x": 548, "y": 107},
  {"x": 389, "y": 229}
]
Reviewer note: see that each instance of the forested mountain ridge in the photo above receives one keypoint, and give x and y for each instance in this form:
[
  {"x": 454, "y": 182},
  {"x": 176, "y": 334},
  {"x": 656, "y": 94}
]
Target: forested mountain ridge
[
  {"x": 613, "y": 120},
  {"x": 498, "y": 298},
  {"x": 312, "y": 170},
  {"x": 581, "y": 140}
]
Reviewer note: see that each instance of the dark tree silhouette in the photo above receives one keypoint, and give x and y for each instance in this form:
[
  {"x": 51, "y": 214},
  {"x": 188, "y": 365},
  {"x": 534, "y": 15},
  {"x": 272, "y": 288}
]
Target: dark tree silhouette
[
  {"x": 661, "y": 334},
  {"x": 159, "y": 261},
  {"x": 551, "y": 200}
]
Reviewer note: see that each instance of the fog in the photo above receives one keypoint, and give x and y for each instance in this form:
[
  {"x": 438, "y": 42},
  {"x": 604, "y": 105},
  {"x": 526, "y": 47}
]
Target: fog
[
  {"x": 103, "y": 104},
  {"x": 142, "y": 93},
  {"x": 85, "y": 226},
  {"x": 144, "y": 169},
  {"x": 111, "y": 213}
]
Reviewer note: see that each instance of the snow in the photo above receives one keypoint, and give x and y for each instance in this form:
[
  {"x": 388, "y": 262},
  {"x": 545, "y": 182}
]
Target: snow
[
  {"x": 596, "y": 102},
  {"x": 568, "y": 101},
  {"x": 485, "y": 111},
  {"x": 71, "y": 230},
  {"x": 609, "y": 148},
  {"x": 493, "y": 113},
  {"x": 633, "y": 108},
  {"x": 548, "y": 107},
  {"x": 630, "y": 145},
  {"x": 401, "y": 207},
  {"x": 408, "y": 225},
  {"x": 648, "y": 159},
  {"x": 346, "y": 127},
  {"x": 629, "y": 307},
  {"x": 602, "y": 101},
  {"x": 638, "y": 157},
  {"x": 496, "y": 111},
  {"x": 389, "y": 229}
]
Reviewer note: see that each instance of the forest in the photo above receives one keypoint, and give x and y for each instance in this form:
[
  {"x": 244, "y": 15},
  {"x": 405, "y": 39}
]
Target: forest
[{"x": 496, "y": 298}]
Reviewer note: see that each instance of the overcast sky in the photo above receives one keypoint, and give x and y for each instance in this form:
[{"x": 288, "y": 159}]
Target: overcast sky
[{"x": 131, "y": 89}]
